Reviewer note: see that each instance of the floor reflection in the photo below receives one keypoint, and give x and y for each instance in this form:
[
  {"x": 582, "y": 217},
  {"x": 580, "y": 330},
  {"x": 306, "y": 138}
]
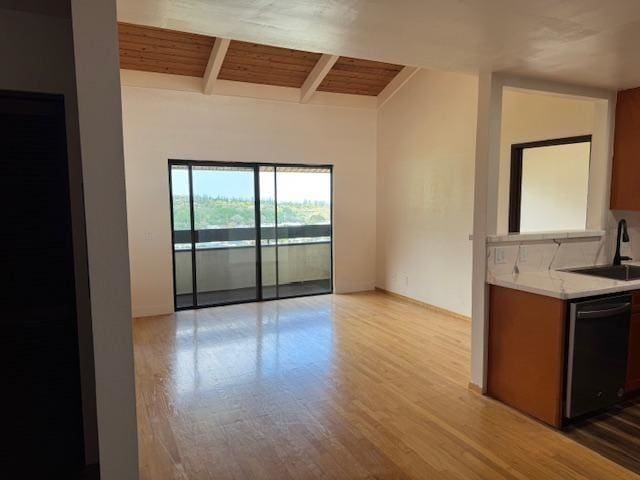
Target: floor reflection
[
  {"x": 358, "y": 386},
  {"x": 216, "y": 350}
]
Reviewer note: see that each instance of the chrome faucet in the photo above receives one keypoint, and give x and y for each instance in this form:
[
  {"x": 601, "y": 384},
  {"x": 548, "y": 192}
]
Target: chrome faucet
[{"x": 622, "y": 231}]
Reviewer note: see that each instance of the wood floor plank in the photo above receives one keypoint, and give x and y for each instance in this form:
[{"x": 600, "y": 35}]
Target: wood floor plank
[
  {"x": 361, "y": 386},
  {"x": 615, "y": 434}
]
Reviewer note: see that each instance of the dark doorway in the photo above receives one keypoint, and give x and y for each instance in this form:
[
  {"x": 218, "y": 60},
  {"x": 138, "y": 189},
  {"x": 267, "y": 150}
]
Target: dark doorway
[{"x": 40, "y": 338}]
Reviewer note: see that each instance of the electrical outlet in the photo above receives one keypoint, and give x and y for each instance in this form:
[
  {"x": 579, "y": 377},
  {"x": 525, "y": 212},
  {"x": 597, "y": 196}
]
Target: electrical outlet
[
  {"x": 499, "y": 256},
  {"x": 522, "y": 254}
]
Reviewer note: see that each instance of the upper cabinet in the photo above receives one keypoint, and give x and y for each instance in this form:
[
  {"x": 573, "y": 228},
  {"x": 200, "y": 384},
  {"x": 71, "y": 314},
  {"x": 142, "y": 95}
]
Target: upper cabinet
[{"x": 625, "y": 178}]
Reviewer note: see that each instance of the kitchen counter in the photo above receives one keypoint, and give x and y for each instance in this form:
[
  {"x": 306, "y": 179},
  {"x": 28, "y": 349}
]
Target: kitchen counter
[{"x": 562, "y": 285}]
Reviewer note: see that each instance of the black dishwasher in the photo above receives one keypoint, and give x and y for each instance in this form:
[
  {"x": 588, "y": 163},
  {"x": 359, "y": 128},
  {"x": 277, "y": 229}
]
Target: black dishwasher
[{"x": 597, "y": 354}]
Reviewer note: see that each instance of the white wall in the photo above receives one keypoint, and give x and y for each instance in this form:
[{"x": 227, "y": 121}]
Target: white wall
[
  {"x": 100, "y": 116},
  {"x": 534, "y": 116},
  {"x": 162, "y": 124},
  {"x": 426, "y": 155}
]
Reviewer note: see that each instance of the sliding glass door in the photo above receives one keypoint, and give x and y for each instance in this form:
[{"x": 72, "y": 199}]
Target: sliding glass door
[
  {"x": 246, "y": 232},
  {"x": 224, "y": 218},
  {"x": 182, "y": 228},
  {"x": 268, "y": 237},
  {"x": 303, "y": 240}
]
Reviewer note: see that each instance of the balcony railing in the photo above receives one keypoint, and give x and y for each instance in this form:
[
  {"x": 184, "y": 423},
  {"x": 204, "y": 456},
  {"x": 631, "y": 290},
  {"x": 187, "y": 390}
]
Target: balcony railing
[
  {"x": 226, "y": 257},
  {"x": 248, "y": 233}
]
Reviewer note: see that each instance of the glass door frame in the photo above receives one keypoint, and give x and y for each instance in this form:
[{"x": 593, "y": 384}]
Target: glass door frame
[{"x": 258, "y": 227}]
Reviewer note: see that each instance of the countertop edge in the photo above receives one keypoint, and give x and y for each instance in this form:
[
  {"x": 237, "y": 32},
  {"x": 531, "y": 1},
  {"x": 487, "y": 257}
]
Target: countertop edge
[
  {"x": 527, "y": 288},
  {"x": 560, "y": 294}
]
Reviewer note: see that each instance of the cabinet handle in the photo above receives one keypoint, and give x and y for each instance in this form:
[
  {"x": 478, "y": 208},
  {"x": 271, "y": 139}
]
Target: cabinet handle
[{"x": 605, "y": 313}]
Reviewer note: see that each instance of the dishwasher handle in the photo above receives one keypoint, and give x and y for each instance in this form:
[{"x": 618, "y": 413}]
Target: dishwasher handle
[{"x": 615, "y": 310}]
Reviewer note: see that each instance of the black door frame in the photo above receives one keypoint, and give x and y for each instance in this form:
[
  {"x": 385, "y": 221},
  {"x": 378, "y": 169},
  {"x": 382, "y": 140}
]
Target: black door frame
[{"x": 258, "y": 227}]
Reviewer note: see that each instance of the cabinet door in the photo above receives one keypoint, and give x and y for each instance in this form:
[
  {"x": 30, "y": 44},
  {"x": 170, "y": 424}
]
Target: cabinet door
[
  {"x": 633, "y": 366},
  {"x": 526, "y": 352},
  {"x": 626, "y": 167}
]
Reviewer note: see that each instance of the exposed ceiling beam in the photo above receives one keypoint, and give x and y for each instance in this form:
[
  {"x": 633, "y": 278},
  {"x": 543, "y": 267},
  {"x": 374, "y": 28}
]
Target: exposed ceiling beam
[
  {"x": 396, "y": 84},
  {"x": 218, "y": 52},
  {"x": 316, "y": 76}
]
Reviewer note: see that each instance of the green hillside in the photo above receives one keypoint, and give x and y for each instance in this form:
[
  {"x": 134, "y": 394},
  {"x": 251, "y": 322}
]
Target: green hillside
[{"x": 212, "y": 212}]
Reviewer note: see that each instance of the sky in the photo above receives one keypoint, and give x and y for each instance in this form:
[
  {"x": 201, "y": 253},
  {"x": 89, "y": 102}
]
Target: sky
[{"x": 292, "y": 186}]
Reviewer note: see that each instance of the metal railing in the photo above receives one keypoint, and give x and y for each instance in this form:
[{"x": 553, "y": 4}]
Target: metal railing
[
  {"x": 249, "y": 233},
  {"x": 222, "y": 268}
]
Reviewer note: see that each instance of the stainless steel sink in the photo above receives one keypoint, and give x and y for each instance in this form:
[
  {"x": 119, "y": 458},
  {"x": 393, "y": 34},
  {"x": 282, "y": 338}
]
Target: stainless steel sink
[{"x": 615, "y": 272}]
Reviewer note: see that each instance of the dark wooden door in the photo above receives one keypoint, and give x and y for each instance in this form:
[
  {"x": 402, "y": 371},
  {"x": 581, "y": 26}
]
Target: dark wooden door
[{"x": 40, "y": 339}]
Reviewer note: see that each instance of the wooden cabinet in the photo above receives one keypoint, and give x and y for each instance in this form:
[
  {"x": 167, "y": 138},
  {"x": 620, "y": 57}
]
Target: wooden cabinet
[
  {"x": 526, "y": 352},
  {"x": 625, "y": 176}
]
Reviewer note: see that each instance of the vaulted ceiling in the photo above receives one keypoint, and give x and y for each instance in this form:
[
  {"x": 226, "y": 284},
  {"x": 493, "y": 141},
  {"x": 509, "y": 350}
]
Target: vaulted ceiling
[
  {"x": 163, "y": 51},
  {"x": 585, "y": 42},
  {"x": 253, "y": 63},
  {"x": 152, "y": 49}
]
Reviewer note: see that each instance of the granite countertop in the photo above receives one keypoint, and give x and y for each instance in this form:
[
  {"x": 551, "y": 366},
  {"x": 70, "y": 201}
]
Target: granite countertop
[{"x": 561, "y": 284}]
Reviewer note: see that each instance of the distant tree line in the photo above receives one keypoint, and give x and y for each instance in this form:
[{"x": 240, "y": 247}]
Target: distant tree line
[{"x": 219, "y": 212}]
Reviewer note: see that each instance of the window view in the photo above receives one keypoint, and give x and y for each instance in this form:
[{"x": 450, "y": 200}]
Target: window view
[
  {"x": 304, "y": 230},
  {"x": 549, "y": 185},
  {"x": 268, "y": 250},
  {"x": 225, "y": 234},
  {"x": 183, "y": 273},
  {"x": 219, "y": 213}
]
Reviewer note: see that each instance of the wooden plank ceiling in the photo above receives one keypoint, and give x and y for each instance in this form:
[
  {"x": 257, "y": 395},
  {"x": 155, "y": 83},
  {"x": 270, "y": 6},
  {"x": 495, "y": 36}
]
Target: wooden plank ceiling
[
  {"x": 153, "y": 49},
  {"x": 165, "y": 51},
  {"x": 359, "y": 77},
  {"x": 254, "y": 63}
]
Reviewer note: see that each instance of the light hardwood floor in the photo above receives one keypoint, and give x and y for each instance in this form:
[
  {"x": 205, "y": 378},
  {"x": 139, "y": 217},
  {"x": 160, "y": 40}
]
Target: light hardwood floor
[{"x": 362, "y": 386}]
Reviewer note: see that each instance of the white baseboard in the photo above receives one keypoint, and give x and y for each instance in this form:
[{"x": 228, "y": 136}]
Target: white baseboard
[
  {"x": 424, "y": 304},
  {"x": 354, "y": 288},
  {"x": 152, "y": 310}
]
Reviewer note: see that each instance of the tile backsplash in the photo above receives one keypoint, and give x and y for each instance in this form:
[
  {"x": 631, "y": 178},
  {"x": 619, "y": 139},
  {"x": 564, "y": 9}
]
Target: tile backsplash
[
  {"x": 525, "y": 255},
  {"x": 538, "y": 255},
  {"x": 542, "y": 255}
]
